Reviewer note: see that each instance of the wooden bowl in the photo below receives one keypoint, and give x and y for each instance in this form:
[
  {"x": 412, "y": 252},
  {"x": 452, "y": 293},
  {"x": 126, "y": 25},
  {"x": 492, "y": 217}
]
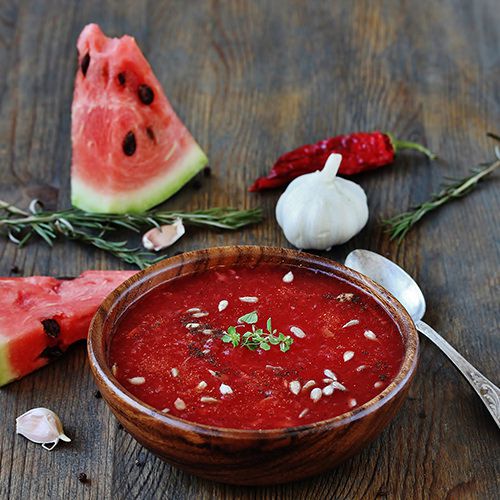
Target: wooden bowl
[{"x": 247, "y": 456}]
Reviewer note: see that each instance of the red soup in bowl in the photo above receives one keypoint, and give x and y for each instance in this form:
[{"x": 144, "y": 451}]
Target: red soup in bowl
[
  {"x": 261, "y": 347},
  {"x": 252, "y": 365}
]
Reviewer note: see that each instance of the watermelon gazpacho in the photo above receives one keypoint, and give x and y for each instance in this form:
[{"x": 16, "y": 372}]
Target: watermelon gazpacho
[
  {"x": 42, "y": 316},
  {"x": 130, "y": 150},
  {"x": 256, "y": 347}
]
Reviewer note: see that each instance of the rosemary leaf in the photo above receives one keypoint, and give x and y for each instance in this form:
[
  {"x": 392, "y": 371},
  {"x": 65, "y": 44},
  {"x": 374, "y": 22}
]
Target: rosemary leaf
[
  {"x": 94, "y": 229},
  {"x": 399, "y": 225}
]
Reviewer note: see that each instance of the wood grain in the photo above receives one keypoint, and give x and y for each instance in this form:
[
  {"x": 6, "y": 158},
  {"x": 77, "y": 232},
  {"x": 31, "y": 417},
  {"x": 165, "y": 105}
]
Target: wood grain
[{"x": 253, "y": 79}]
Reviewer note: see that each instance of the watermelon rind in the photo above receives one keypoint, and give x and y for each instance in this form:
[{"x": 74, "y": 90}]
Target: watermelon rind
[
  {"x": 86, "y": 197},
  {"x": 6, "y": 374}
]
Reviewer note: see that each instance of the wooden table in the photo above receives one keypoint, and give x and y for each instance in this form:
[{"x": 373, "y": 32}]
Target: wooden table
[{"x": 253, "y": 79}]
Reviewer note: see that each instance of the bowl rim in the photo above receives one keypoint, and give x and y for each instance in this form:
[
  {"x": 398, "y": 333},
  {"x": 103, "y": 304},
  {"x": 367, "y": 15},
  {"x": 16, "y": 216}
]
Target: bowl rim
[{"x": 102, "y": 372}]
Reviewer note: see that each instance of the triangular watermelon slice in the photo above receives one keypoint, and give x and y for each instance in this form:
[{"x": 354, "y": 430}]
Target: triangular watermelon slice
[
  {"x": 42, "y": 316},
  {"x": 130, "y": 150}
]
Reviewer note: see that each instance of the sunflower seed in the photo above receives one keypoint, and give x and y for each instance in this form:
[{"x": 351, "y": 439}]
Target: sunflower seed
[
  {"x": 352, "y": 403},
  {"x": 288, "y": 278},
  {"x": 174, "y": 372},
  {"x": 200, "y": 314},
  {"x": 328, "y": 390},
  {"x": 304, "y": 412},
  {"x": 298, "y": 332},
  {"x": 193, "y": 310},
  {"x": 190, "y": 326},
  {"x": 222, "y": 305},
  {"x": 207, "y": 331},
  {"x": 202, "y": 385},
  {"x": 328, "y": 373},
  {"x": 351, "y": 323},
  {"x": 225, "y": 389},
  {"x": 271, "y": 367},
  {"x": 370, "y": 335},
  {"x": 137, "y": 380},
  {"x": 208, "y": 399},
  {"x": 294, "y": 386},
  {"x": 348, "y": 355},
  {"x": 316, "y": 394},
  {"x": 338, "y": 385},
  {"x": 179, "y": 404},
  {"x": 308, "y": 384},
  {"x": 249, "y": 299}
]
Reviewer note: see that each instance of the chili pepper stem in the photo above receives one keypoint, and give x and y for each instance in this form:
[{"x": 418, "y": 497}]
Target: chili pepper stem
[{"x": 398, "y": 145}]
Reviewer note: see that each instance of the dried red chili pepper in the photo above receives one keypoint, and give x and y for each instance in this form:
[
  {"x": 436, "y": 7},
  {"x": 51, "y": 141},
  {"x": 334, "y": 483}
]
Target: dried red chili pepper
[{"x": 360, "y": 152}]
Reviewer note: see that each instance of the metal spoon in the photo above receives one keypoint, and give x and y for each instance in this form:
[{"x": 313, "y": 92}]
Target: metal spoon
[{"x": 404, "y": 288}]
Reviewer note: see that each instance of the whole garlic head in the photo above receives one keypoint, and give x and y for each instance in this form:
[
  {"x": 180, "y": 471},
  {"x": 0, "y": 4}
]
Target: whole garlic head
[
  {"x": 41, "y": 425},
  {"x": 320, "y": 210}
]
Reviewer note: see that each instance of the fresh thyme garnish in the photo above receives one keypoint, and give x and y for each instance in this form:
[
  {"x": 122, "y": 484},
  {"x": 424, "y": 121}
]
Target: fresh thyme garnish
[
  {"x": 94, "y": 229},
  {"x": 256, "y": 338},
  {"x": 399, "y": 225}
]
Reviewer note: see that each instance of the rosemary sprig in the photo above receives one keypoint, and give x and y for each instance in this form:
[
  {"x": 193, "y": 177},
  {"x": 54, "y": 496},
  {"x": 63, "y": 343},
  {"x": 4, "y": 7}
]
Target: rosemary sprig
[
  {"x": 94, "y": 229},
  {"x": 399, "y": 225}
]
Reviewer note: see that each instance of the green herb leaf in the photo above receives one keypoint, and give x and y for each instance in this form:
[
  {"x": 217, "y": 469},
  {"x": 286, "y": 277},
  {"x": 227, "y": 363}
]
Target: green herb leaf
[
  {"x": 399, "y": 225},
  {"x": 95, "y": 229},
  {"x": 249, "y": 318},
  {"x": 231, "y": 336},
  {"x": 257, "y": 338}
]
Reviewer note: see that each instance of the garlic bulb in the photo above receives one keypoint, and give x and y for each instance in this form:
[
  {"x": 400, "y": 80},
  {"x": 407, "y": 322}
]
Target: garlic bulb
[
  {"x": 320, "y": 210},
  {"x": 41, "y": 425}
]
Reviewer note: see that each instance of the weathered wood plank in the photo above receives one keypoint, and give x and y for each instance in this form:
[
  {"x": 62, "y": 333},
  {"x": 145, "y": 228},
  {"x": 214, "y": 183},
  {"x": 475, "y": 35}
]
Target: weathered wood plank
[{"x": 252, "y": 80}]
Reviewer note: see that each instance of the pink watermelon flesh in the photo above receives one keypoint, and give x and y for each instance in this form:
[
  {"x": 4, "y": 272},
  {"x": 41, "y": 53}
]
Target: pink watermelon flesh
[
  {"x": 42, "y": 316},
  {"x": 130, "y": 149}
]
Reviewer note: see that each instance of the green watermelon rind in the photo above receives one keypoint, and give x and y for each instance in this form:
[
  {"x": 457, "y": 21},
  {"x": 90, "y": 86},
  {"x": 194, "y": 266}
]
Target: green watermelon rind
[
  {"x": 159, "y": 189},
  {"x": 6, "y": 374}
]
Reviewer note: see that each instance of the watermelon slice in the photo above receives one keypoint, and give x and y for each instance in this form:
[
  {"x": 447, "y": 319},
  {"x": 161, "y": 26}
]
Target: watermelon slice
[
  {"x": 130, "y": 150},
  {"x": 41, "y": 317}
]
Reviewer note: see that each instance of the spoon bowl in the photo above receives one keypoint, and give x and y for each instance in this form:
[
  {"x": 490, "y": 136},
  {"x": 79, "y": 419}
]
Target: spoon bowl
[{"x": 391, "y": 277}]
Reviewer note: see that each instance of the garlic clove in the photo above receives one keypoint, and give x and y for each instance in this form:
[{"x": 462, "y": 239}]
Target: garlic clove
[
  {"x": 42, "y": 426},
  {"x": 164, "y": 236}
]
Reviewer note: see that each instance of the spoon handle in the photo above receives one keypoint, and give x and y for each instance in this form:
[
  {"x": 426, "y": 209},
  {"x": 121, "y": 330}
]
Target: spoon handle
[{"x": 487, "y": 391}]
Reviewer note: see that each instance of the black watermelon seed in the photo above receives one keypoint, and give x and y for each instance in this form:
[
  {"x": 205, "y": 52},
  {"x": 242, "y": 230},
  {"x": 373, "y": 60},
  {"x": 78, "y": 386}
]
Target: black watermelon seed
[
  {"x": 51, "y": 328},
  {"x": 129, "y": 145},
  {"x": 51, "y": 352},
  {"x": 151, "y": 134},
  {"x": 85, "y": 63},
  {"x": 146, "y": 94},
  {"x": 15, "y": 270},
  {"x": 97, "y": 395},
  {"x": 121, "y": 79},
  {"x": 207, "y": 171}
]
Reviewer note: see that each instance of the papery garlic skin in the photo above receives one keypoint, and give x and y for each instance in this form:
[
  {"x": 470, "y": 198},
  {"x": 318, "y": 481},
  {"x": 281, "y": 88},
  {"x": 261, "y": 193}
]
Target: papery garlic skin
[
  {"x": 41, "y": 425},
  {"x": 320, "y": 210},
  {"x": 164, "y": 236}
]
